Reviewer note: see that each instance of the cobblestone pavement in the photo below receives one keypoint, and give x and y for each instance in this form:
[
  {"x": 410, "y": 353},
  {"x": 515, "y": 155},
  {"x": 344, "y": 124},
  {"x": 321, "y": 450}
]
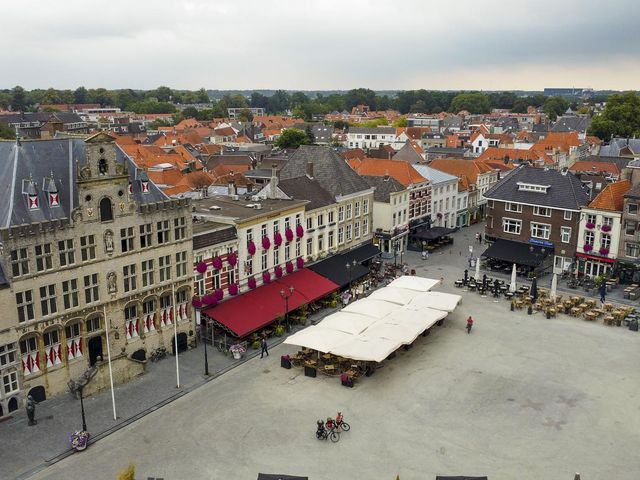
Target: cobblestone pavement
[
  {"x": 521, "y": 397},
  {"x": 27, "y": 450}
]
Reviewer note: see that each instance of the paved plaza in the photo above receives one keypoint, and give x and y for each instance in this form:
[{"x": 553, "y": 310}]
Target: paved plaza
[{"x": 521, "y": 397}]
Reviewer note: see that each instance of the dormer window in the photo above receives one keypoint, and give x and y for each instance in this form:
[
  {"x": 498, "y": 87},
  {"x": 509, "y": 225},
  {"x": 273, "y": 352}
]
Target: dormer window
[
  {"x": 144, "y": 182},
  {"x": 29, "y": 189},
  {"x": 49, "y": 186},
  {"x": 531, "y": 187}
]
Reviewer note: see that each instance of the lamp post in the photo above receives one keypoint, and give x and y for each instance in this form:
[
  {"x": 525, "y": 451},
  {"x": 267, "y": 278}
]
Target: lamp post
[
  {"x": 350, "y": 267},
  {"x": 286, "y": 296},
  {"x": 84, "y": 421},
  {"x": 196, "y": 302},
  {"x": 395, "y": 252}
]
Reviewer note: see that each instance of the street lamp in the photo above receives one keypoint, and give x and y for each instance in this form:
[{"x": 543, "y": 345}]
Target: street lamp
[
  {"x": 197, "y": 304},
  {"x": 84, "y": 421},
  {"x": 350, "y": 267},
  {"x": 395, "y": 252},
  {"x": 286, "y": 296}
]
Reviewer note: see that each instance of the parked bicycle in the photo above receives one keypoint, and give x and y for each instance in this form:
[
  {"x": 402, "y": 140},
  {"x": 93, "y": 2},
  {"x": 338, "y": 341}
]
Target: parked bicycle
[{"x": 158, "y": 354}]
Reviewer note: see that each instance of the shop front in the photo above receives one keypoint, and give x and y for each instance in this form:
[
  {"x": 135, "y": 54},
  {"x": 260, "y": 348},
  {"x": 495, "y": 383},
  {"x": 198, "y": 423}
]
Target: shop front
[{"x": 593, "y": 265}]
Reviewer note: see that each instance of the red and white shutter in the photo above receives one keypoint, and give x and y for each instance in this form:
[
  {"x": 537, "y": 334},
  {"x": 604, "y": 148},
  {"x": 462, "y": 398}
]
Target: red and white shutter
[
  {"x": 145, "y": 187},
  {"x": 148, "y": 323},
  {"x": 30, "y": 363},
  {"x": 53, "y": 355},
  {"x": 54, "y": 199},
  {"x": 33, "y": 202}
]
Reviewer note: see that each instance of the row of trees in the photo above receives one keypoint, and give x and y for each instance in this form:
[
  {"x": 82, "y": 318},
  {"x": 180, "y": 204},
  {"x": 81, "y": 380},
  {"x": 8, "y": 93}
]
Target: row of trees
[{"x": 163, "y": 100}]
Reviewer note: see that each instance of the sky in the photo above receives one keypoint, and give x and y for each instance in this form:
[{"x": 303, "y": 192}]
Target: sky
[{"x": 321, "y": 44}]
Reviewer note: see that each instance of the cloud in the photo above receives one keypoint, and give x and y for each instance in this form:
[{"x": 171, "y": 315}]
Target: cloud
[{"x": 326, "y": 44}]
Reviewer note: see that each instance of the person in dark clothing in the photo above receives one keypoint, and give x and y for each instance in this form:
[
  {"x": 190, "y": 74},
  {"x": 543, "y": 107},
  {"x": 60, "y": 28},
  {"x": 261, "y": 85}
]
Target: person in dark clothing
[
  {"x": 263, "y": 348},
  {"x": 480, "y": 238},
  {"x": 603, "y": 291}
]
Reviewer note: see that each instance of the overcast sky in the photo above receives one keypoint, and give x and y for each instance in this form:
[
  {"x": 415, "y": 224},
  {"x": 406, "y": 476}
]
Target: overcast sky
[{"x": 323, "y": 44}]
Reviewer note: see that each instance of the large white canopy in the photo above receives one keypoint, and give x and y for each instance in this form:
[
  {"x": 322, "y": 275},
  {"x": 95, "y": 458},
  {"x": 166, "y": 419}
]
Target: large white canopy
[
  {"x": 401, "y": 296},
  {"x": 411, "y": 282},
  {"x": 437, "y": 300},
  {"x": 348, "y": 322},
  {"x": 372, "y": 328},
  {"x": 318, "y": 338},
  {"x": 366, "y": 349},
  {"x": 371, "y": 307}
]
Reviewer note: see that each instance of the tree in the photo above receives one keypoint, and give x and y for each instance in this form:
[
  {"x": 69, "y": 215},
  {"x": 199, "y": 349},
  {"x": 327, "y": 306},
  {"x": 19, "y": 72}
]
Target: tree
[
  {"x": 279, "y": 102},
  {"x": 401, "y": 122},
  {"x": 80, "y": 95},
  {"x": 360, "y": 96},
  {"x": 190, "y": 112},
  {"x": 7, "y": 132},
  {"x": 620, "y": 118},
  {"x": 309, "y": 133},
  {"x": 245, "y": 115},
  {"x": 163, "y": 94},
  {"x": 202, "y": 96},
  {"x": 292, "y": 138},
  {"x": 18, "y": 98},
  {"x": 472, "y": 102},
  {"x": 502, "y": 99},
  {"x": 520, "y": 105},
  {"x": 554, "y": 106},
  {"x": 259, "y": 100},
  {"x": 340, "y": 124}
]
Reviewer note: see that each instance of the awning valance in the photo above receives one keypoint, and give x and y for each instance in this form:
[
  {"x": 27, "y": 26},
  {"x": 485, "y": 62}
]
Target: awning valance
[
  {"x": 432, "y": 233},
  {"x": 362, "y": 253},
  {"x": 253, "y": 310},
  {"x": 519, "y": 253}
]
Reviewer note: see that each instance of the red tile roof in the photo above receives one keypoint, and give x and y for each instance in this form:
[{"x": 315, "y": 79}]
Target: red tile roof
[
  {"x": 584, "y": 166},
  {"x": 611, "y": 197},
  {"x": 402, "y": 171}
]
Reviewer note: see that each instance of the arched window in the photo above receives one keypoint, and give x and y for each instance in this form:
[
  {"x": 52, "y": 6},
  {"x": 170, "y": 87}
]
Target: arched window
[
  {"x": 106, "y": 212},
  {"x": 30, "y": 355}
]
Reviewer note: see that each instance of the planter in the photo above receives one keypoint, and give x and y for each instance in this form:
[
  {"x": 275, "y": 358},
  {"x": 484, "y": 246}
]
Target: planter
[
  {"x": 590, "y": 226},
  {"x": 587, "y": 247},
  {"x": 80, "y": 440},
  {"x": 201, "y": 267},
  {"x": 217, "y": 263},
  {"x": 256, "y": 344},
  {"x": 236, "y": 355},
  {"x": 288, "y": 234},
  {"x": 251, "y": 248}
]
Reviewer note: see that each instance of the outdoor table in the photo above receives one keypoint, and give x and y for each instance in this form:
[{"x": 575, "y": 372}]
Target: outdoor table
[
  {"x": 326, "y": 356},
  {"x": 519, "y": 303},
  {"x": 591, "y": 316},
  {"x": 583, "y": 306},
  {"x": 472, "y": 286},
  {"x": 608, "y": 307},
  {"x": 591, "y": 302},
  {"x": 575, "y": 311},
  {"x": 458, "y": 283},
  {"x": 575, "y": 300},
  {"x": 608, "y": 320},
  {"x": 551, "y": 312},
  {"x": 311, "y": 363},
  {"x": 509, "y": 295},
  {"x": 503, "y": 288}
]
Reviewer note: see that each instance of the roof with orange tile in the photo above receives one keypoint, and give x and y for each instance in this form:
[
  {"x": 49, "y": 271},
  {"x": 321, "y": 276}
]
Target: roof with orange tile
[
  {"x": 211, "y": 148},
  {"x": 177, "y": 190},
  {"x": 595, "y": 167},
  {"x": 563, "y": 141},
  {"x": 501, "y": 154},
  {"x": 353, "y": 153},
  {"x": 594, "y": 140},
  {"x": 459, "y": 167},
  {"x": 611, "y": 197},
  {"x": 169, "y": 177},
  {"x": 187, "y": 123},
  {"x": 402, "y": 171}
]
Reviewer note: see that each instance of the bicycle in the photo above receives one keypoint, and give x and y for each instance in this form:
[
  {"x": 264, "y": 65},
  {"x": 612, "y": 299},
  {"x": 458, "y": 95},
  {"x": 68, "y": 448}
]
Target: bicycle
[
  {"x": 341, "y": 424},
  {"x": 158, "y": 354}
]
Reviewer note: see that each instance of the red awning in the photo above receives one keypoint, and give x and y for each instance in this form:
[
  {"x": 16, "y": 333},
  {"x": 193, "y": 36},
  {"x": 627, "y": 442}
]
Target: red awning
[
  {"x": 597, "y": 259},
  {"x": 253, "y": 310}
]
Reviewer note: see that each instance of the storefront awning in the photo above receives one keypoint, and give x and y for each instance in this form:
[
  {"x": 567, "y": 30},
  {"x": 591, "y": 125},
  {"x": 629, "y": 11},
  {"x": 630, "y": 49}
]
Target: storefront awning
[
  {"x": 595, "y": 258},
  {"x": 335, "y": 269},
  {"x": 362, "y": 253},
  {"x": 517, "y": 252},
  {"x": 432, "y": 233},
  {"x": 257, "y": 308}
]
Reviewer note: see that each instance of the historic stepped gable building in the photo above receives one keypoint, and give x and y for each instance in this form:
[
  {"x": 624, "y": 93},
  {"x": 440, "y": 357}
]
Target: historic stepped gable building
[{"x": 90, "y": 248}]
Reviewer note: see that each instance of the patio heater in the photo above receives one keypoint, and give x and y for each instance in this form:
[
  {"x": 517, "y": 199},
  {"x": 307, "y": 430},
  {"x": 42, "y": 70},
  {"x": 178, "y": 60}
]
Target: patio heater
[{"x": 350, "y": 267}]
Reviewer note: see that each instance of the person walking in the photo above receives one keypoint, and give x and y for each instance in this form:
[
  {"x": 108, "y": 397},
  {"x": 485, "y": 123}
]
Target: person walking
[
  {"x": 603, "y": 291},
  {"x": 469, "y": 324},
  {"x": 263, "y": 347},
  {"x": 480, "y": 238}
]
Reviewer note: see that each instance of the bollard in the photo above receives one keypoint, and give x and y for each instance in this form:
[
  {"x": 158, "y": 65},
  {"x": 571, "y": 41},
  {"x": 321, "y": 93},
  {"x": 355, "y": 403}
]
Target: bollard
[{"x": 529, "y": 310}]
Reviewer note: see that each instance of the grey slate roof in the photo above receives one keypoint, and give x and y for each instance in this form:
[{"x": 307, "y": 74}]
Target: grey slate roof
[
  {"x": 215, "y": 237},
  {"x": 304, "y": 188},
  {"x": 617, "y": 144},
  {"x": 634, "y": 192},
  {"x": 565, "y": 190},
  {"x": 37, "y": 159},
  {"x": 384, "y": 187},
  {"x": 42, "y": 117},
  {"x": 571, "y": 124},
  {"x": 408, "y": 154},
  {"x": 329, "y": 169}
]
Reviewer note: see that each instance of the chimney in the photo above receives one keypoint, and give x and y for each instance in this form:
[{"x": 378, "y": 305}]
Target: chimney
[
  {"x": 310, "y": 169},
  {"x": 273, "y": 184},
  {"x": 232, "y": 184}
]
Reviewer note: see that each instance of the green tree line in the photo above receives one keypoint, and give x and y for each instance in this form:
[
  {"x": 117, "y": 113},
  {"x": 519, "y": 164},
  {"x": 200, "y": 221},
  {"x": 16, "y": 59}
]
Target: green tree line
[{"x": 164, "y": 99}]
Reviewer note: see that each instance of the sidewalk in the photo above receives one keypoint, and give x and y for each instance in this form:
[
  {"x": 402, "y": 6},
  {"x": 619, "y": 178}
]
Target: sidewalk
[{"x": 26, "y": 450}]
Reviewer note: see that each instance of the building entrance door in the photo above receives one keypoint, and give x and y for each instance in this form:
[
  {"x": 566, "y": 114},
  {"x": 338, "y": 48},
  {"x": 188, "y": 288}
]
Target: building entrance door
[{"x": 95, "y": 349}]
